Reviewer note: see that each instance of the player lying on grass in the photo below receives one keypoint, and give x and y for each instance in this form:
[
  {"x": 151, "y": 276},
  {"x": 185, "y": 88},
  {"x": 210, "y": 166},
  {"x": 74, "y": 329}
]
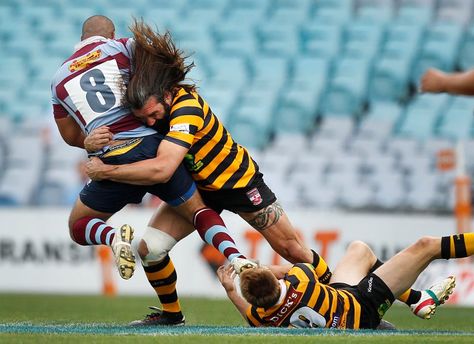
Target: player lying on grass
[{"x": 356, "y": 298}]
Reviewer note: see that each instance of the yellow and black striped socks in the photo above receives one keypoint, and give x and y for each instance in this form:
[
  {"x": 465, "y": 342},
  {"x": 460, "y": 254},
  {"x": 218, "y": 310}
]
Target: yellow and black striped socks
[
  {"x": 162, "y": 278},
  {"x": 457, "y": 246},
  {"x": 321, "y": 268}
]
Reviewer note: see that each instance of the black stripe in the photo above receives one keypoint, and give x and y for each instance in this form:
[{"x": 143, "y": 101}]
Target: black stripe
[
  {"x": 198, "y": 145},
  {"x": 187, "y": 111},
  {"x": 164, "y": 281},
  {"x": 320, "y": 299},
  {"x": 310, "y": 286},
  {"x": 178, "y": 142},
  {"x": 254, "y": 312},
  {"x": 207, "y": 118},
  {"x": 446, "y": 247},
  {"x": 201, "y": 101},
  {"x": 239, "y": 173},
  {"x": 330, "y": 297},
  {"x": 294, "y": 281},
  {"x": 168, "y": 298},
  {"x": 350, "y": 313},
  {"x": 160, "y": 266},
  {"x": 184, "y": 97},
  {"x": 460, "y": 246},
  {"x": 228, "y": 160}
]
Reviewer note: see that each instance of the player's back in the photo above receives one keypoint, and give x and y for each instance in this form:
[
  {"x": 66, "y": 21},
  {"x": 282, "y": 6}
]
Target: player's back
[{"x": 89, "y": 85}]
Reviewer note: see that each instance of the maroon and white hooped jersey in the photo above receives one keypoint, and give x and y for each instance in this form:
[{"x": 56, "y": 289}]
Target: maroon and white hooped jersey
[{"x": 89, "y": 85}]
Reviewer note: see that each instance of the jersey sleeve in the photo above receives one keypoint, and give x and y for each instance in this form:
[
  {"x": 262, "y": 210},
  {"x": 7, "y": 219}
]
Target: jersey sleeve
[
  {"x": 186, "y": 119},
  {"x": 252, "y": 317},
  {"x": 58, "y": 110}
]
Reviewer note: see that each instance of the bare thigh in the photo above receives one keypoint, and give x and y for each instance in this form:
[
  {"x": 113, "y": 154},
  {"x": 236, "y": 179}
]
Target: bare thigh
[
  {"x": 167, "y": 219},
  {"x": 354, "y": 265},
  {"x": 81, "y": 210}
]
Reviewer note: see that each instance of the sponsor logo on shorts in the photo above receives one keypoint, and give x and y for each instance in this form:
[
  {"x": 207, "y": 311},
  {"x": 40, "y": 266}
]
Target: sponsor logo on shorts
[
  {"x": 254, "y": 196},
  {"x": 370, "y": 281},
  {"x": 84, "y": 61},
  {"x": 383, "y": 308}
]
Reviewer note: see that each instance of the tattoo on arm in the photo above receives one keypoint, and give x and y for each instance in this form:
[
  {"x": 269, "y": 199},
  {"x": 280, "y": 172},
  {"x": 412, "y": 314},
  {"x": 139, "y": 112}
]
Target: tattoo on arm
[{"x": 267, "y": 217}]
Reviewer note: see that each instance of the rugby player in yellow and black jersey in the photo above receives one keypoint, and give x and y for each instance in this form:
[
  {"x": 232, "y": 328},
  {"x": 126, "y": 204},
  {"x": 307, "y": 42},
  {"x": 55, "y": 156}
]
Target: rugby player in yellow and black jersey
[
  {"x": 226, "y": 175},
  {"x": 355, "y": 298}
]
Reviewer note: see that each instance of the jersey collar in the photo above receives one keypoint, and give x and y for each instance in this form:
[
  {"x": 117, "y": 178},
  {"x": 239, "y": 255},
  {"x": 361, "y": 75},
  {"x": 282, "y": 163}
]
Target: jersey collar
[{"x": 88, "y": 41}]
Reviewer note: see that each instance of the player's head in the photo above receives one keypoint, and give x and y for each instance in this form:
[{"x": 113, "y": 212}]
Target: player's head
[
  {"x": 259, "y": 287},
  {"x": 158, "y": 68},
  {"x": 98, "y": 26}
]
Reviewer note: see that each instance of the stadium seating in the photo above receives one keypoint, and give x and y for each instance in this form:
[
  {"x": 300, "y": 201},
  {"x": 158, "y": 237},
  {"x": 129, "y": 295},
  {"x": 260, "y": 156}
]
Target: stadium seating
[{"x": 321, "y": 91}]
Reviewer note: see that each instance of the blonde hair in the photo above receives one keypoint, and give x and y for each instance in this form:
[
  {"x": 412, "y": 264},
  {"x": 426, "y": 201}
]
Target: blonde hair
[{"x": 259, "y": 287}]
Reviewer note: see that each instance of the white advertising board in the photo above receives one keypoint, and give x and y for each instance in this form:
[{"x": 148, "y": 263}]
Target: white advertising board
[{"x": 37, "y": 255}]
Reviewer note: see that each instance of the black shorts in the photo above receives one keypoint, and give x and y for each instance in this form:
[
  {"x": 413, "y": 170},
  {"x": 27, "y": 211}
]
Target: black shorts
[
  {"x": 374, "y": 296},
  {"x": 250, "y": 199},
  {"x": 109, "y": 197}
]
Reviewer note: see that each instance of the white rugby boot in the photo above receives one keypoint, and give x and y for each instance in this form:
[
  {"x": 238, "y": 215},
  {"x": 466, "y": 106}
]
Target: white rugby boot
[
  {"x": 124, "y": 257},
  {"x": 431, "y": 298},
  {"x": 241, "y": 264}
]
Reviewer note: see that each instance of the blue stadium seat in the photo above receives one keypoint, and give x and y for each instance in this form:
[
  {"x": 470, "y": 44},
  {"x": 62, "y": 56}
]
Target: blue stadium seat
[
  {"x": 420, "y": 15},
  {"x": 466, "y": 54},
  {"x": 269, "y": 71},
  {"x": 374, "y": 14},
  {"x": 456, "y": 124},
  {"x": 228, "y": 72},
  {"x": 234, "y": 40},
  {"x": 347, "y": 90},
  {"x": 390, "y": 79},
  {"x": 321, "y": 40},
  {"x": 278, "y": 39}
]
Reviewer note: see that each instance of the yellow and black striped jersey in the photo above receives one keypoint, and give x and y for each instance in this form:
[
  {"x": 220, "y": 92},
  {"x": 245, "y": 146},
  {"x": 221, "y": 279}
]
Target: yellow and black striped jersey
[
  {"x": 214, "y": 159},
  {"x": 308, "y": 303}
]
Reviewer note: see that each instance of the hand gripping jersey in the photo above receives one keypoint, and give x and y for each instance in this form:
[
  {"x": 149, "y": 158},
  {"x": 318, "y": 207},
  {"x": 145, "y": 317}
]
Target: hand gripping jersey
[
  {"x": 308, "y": 303},
  {"x": 89, "y": 84},
  {"x": 214, "y": 159}
]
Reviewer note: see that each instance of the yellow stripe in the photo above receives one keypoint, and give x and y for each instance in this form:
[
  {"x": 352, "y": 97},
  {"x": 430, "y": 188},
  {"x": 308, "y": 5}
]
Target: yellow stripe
[
  {"x": 123, "y": 150},
  {"x": 206, "y": 171},
  {"x": 166, "y": 289},
  {"x": 229, "y": 171},
  {"x": 469, "y": 242},
  {"x": 251, "y": 317},
  {"x": 187, "y": 119},
  {"x": 452, "y": 249},
  {"x": 163, "y": 273},
  {"x": 186, "y": 138},
  {"x": 243, "y": 182},
  {"x": 172, "y": 307}
]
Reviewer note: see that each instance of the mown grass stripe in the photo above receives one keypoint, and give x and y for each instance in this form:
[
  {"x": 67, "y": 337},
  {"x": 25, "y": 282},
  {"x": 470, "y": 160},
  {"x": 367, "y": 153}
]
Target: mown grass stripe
[{"x": 205, "y": 330}]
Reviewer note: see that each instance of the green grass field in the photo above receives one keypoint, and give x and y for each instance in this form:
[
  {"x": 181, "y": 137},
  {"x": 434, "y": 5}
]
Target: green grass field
[{"x": 96, "y": 319}]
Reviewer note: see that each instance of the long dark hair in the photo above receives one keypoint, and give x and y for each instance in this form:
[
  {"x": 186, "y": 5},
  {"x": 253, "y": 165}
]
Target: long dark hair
[{"x": 158, "y": 66}]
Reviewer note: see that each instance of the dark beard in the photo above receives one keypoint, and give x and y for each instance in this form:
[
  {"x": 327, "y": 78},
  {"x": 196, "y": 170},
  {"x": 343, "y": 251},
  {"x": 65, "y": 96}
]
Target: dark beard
[{"x": 162, "y": 126}]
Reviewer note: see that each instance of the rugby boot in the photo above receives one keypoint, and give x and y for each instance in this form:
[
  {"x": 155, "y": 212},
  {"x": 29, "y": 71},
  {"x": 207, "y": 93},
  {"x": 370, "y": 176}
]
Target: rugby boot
[
  {"x": 124, "y": 257},
  {"x": 241, "y": 264},
  {"x": 431, "y": 298},
  {"x": 160, "y": 318},
  {"x": 386, "y": 326}
]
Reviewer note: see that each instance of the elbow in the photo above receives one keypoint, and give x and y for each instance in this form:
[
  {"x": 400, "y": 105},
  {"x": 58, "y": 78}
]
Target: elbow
[{"x": 160, "y": 177}]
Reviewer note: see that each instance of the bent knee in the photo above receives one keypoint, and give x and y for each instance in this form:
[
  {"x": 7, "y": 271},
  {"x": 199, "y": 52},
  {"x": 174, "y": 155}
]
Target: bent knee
[
  {"x": 424, "y": 243},
  {"x": 360, "y": 249}
]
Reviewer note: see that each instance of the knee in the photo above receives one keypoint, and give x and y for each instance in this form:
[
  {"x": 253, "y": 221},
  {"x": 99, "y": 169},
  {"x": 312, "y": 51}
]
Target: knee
[
  {"x": 154, "y": 246},
  {"x": 423, "y": 244},
  {"x": 360, "y": 249}
]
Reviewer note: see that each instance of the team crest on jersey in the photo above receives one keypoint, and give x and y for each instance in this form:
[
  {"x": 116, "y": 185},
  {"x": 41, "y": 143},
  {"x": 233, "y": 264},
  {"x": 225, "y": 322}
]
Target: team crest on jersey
[
  {"x": 84, "y": 61},
  {"x": 254, "y": 196}
]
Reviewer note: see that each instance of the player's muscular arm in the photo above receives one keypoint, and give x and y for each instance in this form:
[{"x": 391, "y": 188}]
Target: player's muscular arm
[
  {"x": 70, "y": 131},
  {"x": 145, "y": 172}
]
